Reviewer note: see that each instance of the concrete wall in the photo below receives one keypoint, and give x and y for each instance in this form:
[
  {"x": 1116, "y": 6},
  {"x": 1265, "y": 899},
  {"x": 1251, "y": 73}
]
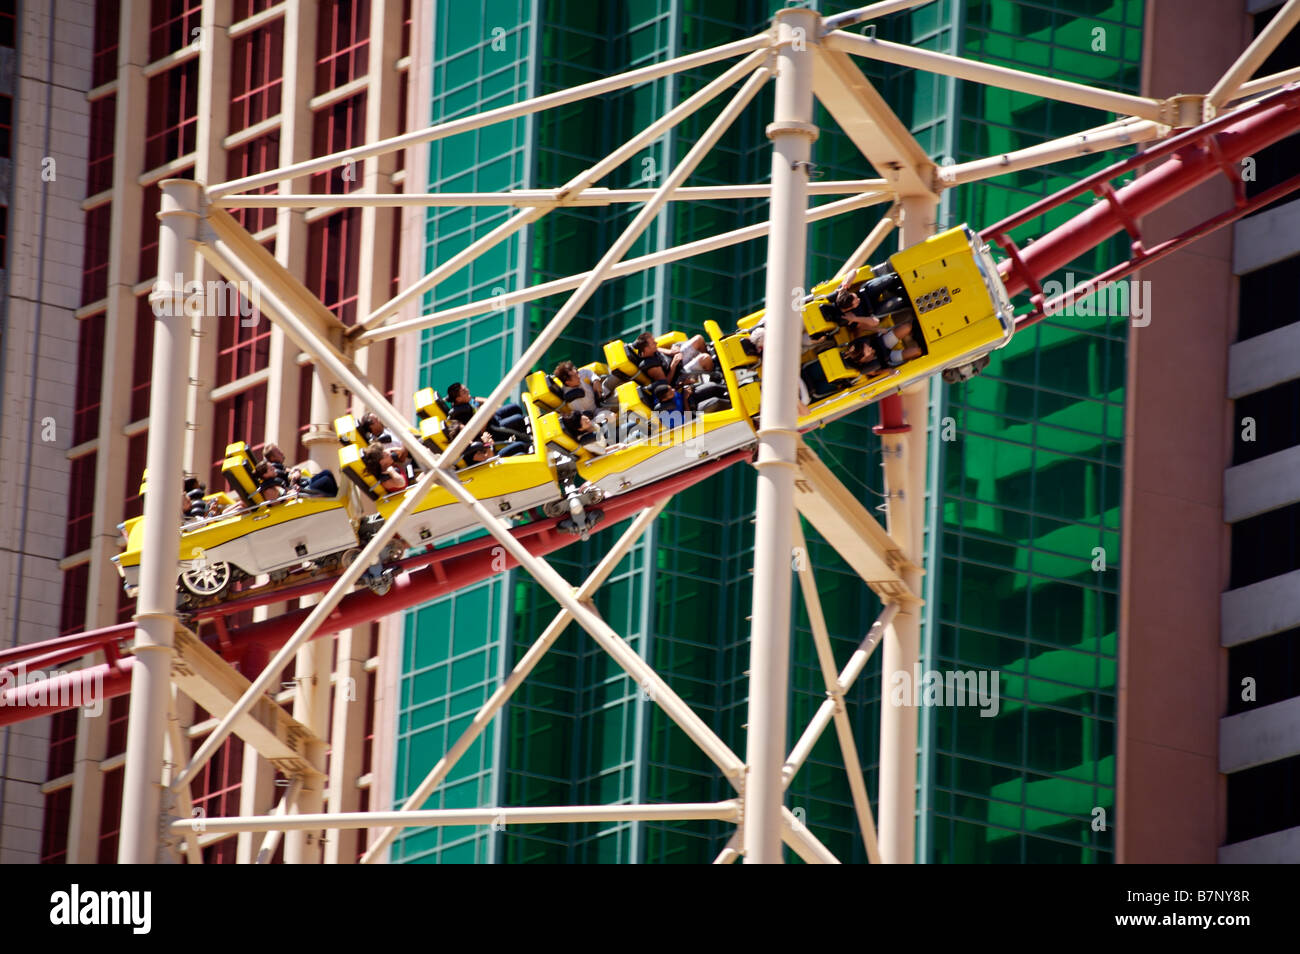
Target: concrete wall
[
  {"x": 40, "y": 364},
  {"x": 1170, "y": 796}
]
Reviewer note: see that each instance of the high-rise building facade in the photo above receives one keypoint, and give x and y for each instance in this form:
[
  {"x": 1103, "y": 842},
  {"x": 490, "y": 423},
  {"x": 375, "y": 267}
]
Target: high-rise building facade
[
  {"x": 1021, "y": 501},
  {"x": 1026, "y": 499},
  {"x": 1111, "y": 510},
  {"x": 1208, "y": 752},
  {"x": 135, "y": 93}
]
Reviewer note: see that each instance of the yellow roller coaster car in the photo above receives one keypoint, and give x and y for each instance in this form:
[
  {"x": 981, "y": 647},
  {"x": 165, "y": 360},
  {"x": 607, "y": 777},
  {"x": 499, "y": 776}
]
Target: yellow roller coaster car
[
  {"x": 249, "y": 537},
  {"x": 946, "y": 288}
]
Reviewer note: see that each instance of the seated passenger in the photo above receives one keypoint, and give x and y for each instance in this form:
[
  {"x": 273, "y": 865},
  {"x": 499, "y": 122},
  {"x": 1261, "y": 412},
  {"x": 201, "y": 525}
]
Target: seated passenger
[
  {"x": 477, "y": 453},
  {"x": 691, "y": 358},
  {"x": 379, "y": 461},
  {"x": 852, "y": 312},
  {"x": 508, "y": 423},
  {"x": 758, "y": 335},
  {"x": 583, "y": 388},
  {"x": 673, "y": 407},
  {"x": 583, "y": 429},
  {"x": 372, "y": 429},
  {"x": 874, "y": 298},
  {"x": 656, "y": 365},
  {"x": 871, "y": 354},
  {"x": 193, "y": 506},
  {"x": 270, "y": 484},
  {"x": 507, "y": 449},
  {"x": 317, "y": 485}
]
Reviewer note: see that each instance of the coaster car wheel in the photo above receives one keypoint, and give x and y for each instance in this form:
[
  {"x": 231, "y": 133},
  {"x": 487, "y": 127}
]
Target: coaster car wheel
[{"x": 208, "y": 579}]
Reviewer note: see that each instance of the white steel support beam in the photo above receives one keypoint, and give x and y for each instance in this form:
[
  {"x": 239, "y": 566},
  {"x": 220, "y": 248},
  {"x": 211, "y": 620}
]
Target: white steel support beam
[
  {"x": 1266, "y": 83},
  {"x": 573, "y": 187},
  {"x": 622, "y": 269},
  {"x": 835, "y": 694},
  {"x": 177, "y": 750},
  {"x": 842, "y": 21},
  {"x": 866, "y": 118},
  {"x": 142, "y": 787},
  {"x": 1001, "y": 76},
  {"x": 501, "y": 114},
  {"x": 229, "y": 261},
  {"x": 803, "y": 748},
  {"x": 1245, "y": 66},
  {"x": 585, "y": 615},
  {"x": 483, "y": 718},
  {"x": 849, "y": 527},
  {"x": 848, "y": 676},
  {"x": 272, "y": 840},
  {"x": 1126, "y": 132},
  {"x": 862, "y": 254},
  {"x": 792, "y": 133},
  {"x": 215, "y": 685},
  {"x": 905, "y": 480},
  {"x": 803, "y": 842},
  {"x": 549, "y": 815},
  {"x": 595, "y": 196}
]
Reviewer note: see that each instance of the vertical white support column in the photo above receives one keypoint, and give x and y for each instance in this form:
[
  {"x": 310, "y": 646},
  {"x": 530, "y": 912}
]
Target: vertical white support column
[
  {"x": 792, "y": 133},
  {"x": 905, "y": 469},
  {"x": 142, "y": 789}
]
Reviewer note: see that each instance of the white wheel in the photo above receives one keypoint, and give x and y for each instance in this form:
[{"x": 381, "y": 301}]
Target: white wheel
[{"x": 208, "y": 579}]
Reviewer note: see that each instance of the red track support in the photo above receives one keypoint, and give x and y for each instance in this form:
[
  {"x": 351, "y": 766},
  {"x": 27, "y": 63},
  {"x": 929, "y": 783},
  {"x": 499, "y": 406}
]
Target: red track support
[
  {"x": 1195, "y": 156},
  {"x": 443, "y": 572}
]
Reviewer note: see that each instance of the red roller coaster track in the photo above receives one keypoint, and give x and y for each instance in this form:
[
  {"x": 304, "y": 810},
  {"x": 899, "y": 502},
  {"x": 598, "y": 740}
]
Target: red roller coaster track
[
  {"x": 1191, "y": 158},
  {"x": 427, "y": 577}
]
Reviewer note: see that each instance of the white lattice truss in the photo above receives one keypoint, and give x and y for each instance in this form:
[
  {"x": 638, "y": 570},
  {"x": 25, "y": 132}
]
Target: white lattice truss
[{"x": 808, "y": 56}]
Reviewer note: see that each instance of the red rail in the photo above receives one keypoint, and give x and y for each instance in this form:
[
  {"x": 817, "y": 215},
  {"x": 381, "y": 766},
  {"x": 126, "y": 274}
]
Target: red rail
[
  {"x": 444, "y": 572},
  {"x": 1193, "y": 157}
]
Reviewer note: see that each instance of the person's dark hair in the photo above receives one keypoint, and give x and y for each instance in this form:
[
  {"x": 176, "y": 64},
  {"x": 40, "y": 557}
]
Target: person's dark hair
[
  {"x": 473, "y": 451},
  {"x": 643, "y": 339},
  {"x": 270, "y": 449},
  {"x": 846, "y": 298},
  {"x": 452, "y": 428},
  {"x": 369, "y": 424},
  {"x": 573, "y": 423},
  {"x": 453, "y": 390},
  {"x": 564, "y": 369},
  {"x": 660, "y": 390},
  {"x": 263, "y": 470},
  {"x": 372, "y": 455}
]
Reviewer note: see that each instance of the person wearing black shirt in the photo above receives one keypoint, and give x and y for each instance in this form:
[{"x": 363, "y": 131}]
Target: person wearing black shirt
[
  {"x": 508, "y": 423},
  {"x": 653, "y": 363}
]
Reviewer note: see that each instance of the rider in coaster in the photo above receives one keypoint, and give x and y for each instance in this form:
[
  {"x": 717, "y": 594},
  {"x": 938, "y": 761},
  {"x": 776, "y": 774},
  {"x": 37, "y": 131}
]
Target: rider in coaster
[
  {"x": 583, "y": 429},
  {"x": 691, "y": 358},
  {"x": 889, "y": 349},
  {"x": 672, "y": 406},
  {"x": 379, "y": 461},
  {"x": 656, "y": 365},
  {"x": 508, "y": 423},
  {"x": 318, "y": 485},
  {"x": 584, "y": 389}
]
